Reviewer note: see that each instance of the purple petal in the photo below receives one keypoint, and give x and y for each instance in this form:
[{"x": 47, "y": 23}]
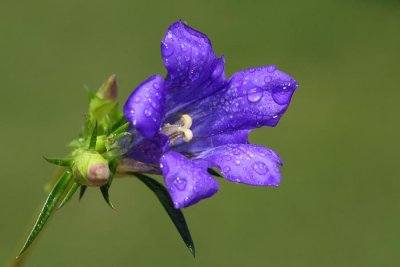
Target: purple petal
[
  {"x": 199, "y": 143},
  {"x": 144, "y": 108},
  {"x": 148, "y": 150},
  {"x": 194, "y": 70},
  {"x": 248, "y": 164},
  {"x": 187, "y": 182},
  {"x": 254, "y": 98}
]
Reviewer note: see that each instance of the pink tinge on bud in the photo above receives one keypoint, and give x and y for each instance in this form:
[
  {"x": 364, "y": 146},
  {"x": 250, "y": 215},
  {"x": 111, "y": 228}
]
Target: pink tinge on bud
[
  {"x": 98, "y": 174},
  {"x": 110, "y": 88}
]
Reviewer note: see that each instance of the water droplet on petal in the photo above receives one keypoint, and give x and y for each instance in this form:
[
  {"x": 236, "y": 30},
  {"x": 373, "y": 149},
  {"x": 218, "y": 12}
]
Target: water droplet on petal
[
  {"x": 167, "y": 49},
  {"x": 254, "y": 94},
  {"x": 227, "y": 158},
  {"x": 180, "y": 183},
  {"x": 165, "y": 168},
  {"x": 260, "y": 167},
  {"x": 226, "y": 169},
  {"x": 281, "y": 96},
  {"x": 147, "y": 112},
  {"x": 217, "y": 71},
  {"x": 271, "y": 68},
  {"x": 267, "y": 79},
  {"x": 156, "y": 86}
]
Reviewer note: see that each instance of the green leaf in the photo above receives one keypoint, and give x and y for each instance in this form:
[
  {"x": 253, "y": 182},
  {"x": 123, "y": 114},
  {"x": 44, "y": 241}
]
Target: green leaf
[
  {"x": 105, "y": 188},
  {"x": 93, "y": 137},
  {"x": 90, "y": 94},
  {"x": 214, "y": 172},
  {"x": 120, "y": 123},
  {"x": 82, "y": 191},
  {"x": 70, "y": 193},
  {"x": 104, "y": 191},
  {"x": 48, "y": 208},
  {"x": 66, "y": 162},
  {"x": 176, "y": 215}
]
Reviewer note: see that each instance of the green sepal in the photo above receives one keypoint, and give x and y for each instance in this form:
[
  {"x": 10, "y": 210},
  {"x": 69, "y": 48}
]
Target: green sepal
[
  {"x": 104, "y": 191},
  {"x": 176, "y": 215},
  {"x": 93, "y": 137},
  {"x": 214, "y": 172},
  {"x": 105, "y": 188},
  {"x": 66, "y": 162},
  {"x": 69, "y": 194},
  {"x": 48, "y": 208},
  {"x": 82, "y": 191},
  {"x": 90, "y": 94},
  {"x": 116, "y": 126}
]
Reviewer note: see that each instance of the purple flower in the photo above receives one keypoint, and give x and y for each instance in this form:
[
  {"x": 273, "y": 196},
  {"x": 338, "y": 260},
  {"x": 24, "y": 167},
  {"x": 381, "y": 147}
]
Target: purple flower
[{"x": 195, "y": 118}]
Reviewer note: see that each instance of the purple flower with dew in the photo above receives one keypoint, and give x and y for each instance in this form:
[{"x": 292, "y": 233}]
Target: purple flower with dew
[{"x": 195, "y": 118}]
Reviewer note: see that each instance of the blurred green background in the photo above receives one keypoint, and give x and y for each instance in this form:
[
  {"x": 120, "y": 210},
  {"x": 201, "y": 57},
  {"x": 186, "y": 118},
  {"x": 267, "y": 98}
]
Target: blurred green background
[{"x": 338, "y": 204}]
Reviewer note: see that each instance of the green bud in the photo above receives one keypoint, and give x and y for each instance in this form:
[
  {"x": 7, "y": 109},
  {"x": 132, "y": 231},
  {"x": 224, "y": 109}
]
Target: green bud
[
  {"x": 109, "y": 89},
  {"x": 90, "y": 168},
  {"x": 103, "y": 107}
]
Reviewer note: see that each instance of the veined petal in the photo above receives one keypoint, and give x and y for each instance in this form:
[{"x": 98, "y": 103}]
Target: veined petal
[
  {"x": 144, "y": 108},
  {"x": 194, "y": 71},
  {"x": 246, "y": 163},
  {"x": 186, "y": 181},
  {"x": 253, "y": 98}
]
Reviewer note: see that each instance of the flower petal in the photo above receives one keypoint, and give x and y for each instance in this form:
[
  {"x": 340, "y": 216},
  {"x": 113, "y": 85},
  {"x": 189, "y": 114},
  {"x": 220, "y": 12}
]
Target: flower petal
[
  {"x": 187, "y": 182},
  {"x": 144, "y": 108},
  {"x": 246, "y": 163},
  {"x": 194, "y": 71},
  {"x": 254, "y": 98},
  {"x": 198, "y": 144},
  {"x": 148, "y": 150}
]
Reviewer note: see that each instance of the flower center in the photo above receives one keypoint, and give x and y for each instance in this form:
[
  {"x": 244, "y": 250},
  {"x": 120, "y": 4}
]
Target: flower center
[{"x": 180, "y": 129}]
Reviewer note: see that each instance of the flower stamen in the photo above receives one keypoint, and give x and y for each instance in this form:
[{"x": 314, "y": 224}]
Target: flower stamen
[{"x": 180, "y": 129}]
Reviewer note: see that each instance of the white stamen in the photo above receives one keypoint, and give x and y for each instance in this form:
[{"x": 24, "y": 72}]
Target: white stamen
[{"x": 175, "y": 131}]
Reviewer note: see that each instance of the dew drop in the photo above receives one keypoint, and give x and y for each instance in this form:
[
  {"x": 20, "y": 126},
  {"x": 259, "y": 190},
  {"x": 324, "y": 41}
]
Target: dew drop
[
  {"x": 155, "y": 104},
  {"x": 267, "y": 79},
  {"x": 180, "y": 183},
  {"x": 217, "y": 71},
  {"x": 254, "y": 94},
  {"x": 147, "y": 112},
  {"x": 226, "y": 169},
  {"x": 167, "y": 49},
  {"x": 281, "y": 96},
  {"x": 156, "y": 86},
  {"x": 271, "y": 68},
  {"x": 227, "y": 158},
  {"x": 260, "y": 167}
]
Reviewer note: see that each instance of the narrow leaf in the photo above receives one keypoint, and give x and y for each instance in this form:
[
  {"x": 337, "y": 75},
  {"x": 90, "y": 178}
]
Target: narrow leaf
[
  {"x": 70, "y": 193},
  {"x": 120, "y": 123},
  {"x": 105, "y": 188},
  {"x": 104, "y": 191},
  {"x": 93, "y": 137},
  {"x": 176, "y": 215},
  {"x": 82, "y": 191},
  {"x": 59, "y": 161},
  {"x": 48, "y": 208},
  {"x": 214, "y": 172}
]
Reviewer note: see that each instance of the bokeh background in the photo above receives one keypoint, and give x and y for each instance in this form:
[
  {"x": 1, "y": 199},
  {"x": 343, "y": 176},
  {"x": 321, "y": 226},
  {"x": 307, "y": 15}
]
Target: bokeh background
[{"x": 338, "y": 204}]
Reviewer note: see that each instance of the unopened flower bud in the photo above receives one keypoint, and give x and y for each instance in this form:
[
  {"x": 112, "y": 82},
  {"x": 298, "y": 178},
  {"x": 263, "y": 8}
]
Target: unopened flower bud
[
  {"x": 109, "y": 89},
  {"x": 91, "y": 169}
]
